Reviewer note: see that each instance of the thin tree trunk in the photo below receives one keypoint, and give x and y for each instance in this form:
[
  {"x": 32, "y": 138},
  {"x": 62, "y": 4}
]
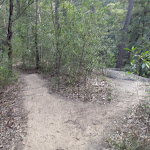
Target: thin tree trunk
[
  {"x": 57, "y": 34},
  {"x": 143, "y": 31},
  {"x": 20, "y": 34},
  {"x": 9, "y": 34},
  {"x": 36, "y": 37},
  {"x": 125, "y": 30}
]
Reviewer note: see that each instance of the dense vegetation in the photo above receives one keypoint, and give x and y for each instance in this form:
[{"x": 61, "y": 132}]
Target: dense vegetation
[{"x": 73, "y": 38}]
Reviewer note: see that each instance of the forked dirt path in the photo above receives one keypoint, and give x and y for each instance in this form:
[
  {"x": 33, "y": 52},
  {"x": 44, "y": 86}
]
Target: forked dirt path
[{"x": 58, "y": 124}]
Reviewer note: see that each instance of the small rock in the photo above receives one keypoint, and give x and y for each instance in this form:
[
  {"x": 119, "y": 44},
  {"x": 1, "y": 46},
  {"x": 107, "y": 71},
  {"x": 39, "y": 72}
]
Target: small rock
[{"x": 1, "y": 146}]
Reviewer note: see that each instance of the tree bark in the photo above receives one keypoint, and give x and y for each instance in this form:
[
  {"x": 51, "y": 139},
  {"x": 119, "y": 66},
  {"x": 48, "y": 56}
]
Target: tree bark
[
  {"x": 129, "y": 14},
  {"x": 57, "y": 34},
  {"x": 9, "y": 34},
  {"x": 36, "y": 37},
  {"x": 125, "y": 30}
]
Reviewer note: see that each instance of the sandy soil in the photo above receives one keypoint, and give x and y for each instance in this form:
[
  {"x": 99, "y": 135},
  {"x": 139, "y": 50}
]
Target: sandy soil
[{"x": 58, "y": 124}]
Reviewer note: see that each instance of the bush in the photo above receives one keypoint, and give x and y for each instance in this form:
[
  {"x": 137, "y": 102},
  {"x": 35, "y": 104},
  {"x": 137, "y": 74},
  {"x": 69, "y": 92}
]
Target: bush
[{"x": 5, "y": 77}]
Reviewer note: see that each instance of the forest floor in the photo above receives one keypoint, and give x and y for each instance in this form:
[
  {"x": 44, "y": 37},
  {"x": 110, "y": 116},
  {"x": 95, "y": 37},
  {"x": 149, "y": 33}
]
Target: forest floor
[{"x": 57, "y": 123}]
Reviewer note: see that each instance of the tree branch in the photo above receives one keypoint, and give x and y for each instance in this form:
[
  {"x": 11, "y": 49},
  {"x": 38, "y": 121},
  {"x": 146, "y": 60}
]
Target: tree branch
[
  {"x": 2, "y": 2},
  {"x": 23, "y": 11}
]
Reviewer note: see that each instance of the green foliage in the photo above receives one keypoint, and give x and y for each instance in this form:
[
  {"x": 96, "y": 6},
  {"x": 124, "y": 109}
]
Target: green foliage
[
  {"x": 87, "y": 39},
  {"x": 140, "y": 63},
  {"x": 115, "y": 14},
  {"x": 5, "y": 78},
  {"x": 78, "y": 49},
  {"x": 138, "y": 35}
]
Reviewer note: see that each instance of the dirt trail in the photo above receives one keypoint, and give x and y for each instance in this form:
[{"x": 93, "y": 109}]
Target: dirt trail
[{"x": 59, "y": 124}]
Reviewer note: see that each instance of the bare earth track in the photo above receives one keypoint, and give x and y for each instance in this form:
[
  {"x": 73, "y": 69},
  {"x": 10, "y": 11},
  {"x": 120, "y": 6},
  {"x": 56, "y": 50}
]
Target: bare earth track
[{"x": 58, "y": 124}]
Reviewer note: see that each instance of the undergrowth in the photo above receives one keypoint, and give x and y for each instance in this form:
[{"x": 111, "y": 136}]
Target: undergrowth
[
  {"x": 5, "y": 77},
  {"x": 135, "y": 133},
  {"x": 95, "y": 88}
]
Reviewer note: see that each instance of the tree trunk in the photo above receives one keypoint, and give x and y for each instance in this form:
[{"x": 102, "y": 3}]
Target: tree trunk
[
  {"x": 57, "y": 34},
  {"x": 36, "y": 37},
  {"x": 125, "y": 30},
  {"x": 129, "y": 14},
  {"x": 9, "y": 34}
]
